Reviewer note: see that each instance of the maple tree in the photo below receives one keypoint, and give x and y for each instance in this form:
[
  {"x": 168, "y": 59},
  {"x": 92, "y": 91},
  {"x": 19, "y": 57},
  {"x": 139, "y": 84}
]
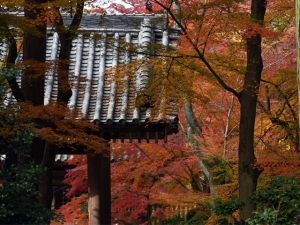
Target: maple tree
[
  {"x": 156, "y": 174},
  {"x": 145, "y": 175},
  {"x": 211, "y": 55},
  {"x": 140, "y": 180},
  {"x": 225, "y": 59},
  {"x": 202, "y": 32},
  {"x": 231, "y": 53}
]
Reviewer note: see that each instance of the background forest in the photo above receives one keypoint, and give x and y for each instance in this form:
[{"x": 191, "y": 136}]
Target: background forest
[{"x": 234, "y": 75}]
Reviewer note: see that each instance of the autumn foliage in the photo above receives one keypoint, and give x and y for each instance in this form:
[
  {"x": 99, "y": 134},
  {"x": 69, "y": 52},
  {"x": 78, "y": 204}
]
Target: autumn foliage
[{"x": 206, "y": 68}]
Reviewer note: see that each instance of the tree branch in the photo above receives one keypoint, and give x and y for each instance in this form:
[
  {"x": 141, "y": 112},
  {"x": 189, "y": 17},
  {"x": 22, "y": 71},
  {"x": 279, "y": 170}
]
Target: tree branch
[
  {"x": 200, "y": 55},
  {"x": 273, "y": 119},
  {"x": 10, "y": 62},
  {"x": 286, "y": 99}
]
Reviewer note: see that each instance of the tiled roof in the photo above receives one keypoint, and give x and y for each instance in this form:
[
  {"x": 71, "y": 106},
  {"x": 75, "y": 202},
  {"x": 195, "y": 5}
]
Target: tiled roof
[
  {"x": 100, "y": 99},
  {"x": 63, "y": 157}
]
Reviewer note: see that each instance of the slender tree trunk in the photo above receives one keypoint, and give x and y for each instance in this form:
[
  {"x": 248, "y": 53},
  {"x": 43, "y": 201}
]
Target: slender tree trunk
[
  {"x": 64, "y": 88},
  {"x": 194, "y": 129},
  {"x": 297, "y": 8},
  {"x": 10, "y": 62},
  {"x": 227, "y": 131},
  {"x": 66, "y": 36},
  {"x": 192, "y": 125},
  {"x": 248, "y": 174}
]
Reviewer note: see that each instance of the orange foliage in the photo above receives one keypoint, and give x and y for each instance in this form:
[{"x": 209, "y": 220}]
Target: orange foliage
[
  {"x": 167, "y": 175},
  {"x": 160, "y": 174},
  {"x": 59, "y": 125},
  {"x": 163, "y": 175},
  {"x": 143, "y": 175},
  {"x": 71, "y": 211}
]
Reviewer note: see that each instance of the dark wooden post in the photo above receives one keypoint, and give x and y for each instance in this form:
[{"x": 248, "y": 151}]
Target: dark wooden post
[{"x": 99, "y": 189}]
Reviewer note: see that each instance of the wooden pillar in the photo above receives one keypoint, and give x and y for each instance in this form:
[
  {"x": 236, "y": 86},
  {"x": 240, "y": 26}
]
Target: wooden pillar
[{"x": 99, "y": 189}]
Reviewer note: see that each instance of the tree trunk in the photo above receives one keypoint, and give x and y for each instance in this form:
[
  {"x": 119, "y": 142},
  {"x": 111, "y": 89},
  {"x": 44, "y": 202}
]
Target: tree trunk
[
  {"x": 227, "y": 131},
  {"x": 194, "y": 129},
  {"x": 297, "y": 8},
  {"x": 45, "y": 185},
  {"x": 248, "y": 174},
  {"x": 34, "y": 49},
  {"x": 66, "y": 36},
  {"x": 34, "y": 53},
  {"x": 64, "y": 88}
]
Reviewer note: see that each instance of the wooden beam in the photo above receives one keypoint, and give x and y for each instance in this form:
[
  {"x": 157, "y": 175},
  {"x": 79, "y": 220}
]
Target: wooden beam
[
  {"x": 166, "y": 134},
  {"x": 147, "y": 136},
  {"x": 130, "y": 137},
  {"x": 139, "y": 137},
  {"x": 122, "y": 137},
  {"x": 99, "y": 189}
]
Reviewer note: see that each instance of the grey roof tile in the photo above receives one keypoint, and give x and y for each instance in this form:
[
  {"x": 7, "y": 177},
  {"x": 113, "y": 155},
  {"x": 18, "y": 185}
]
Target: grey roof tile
[
  {"x": 63, "y": 157},
  {"x": 98, "y": 97}
]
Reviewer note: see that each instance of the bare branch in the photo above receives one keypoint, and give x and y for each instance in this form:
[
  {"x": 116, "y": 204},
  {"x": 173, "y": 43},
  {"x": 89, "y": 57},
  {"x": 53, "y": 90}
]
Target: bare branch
[{"x": 286, "y": 99}]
